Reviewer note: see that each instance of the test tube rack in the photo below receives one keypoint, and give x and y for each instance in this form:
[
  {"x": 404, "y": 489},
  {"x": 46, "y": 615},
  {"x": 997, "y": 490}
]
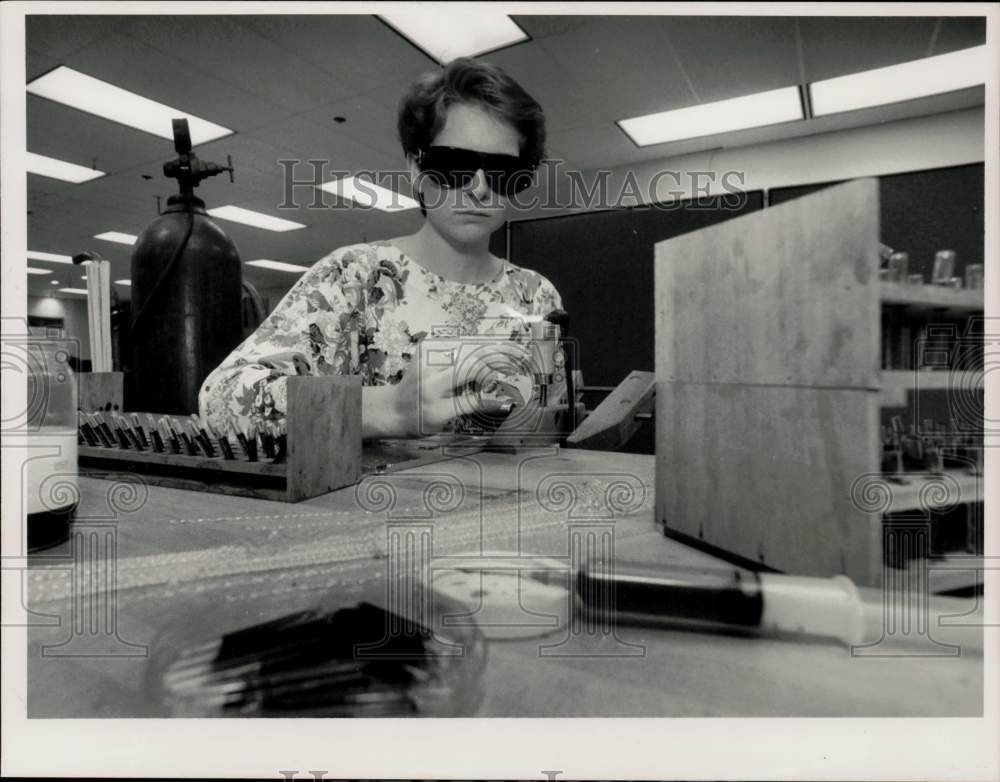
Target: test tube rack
[
  {"x": 318, "y": 451},
  {"x": 808, "y": 417}
]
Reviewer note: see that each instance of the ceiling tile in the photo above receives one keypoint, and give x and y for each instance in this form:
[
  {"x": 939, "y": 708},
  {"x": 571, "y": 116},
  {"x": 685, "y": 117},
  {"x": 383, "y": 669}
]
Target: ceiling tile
[
  {"x": 218, "y": 45},
  {"x": 61, "y": 132},
  {"x": 730, "y": 56},
  {"x": 359, "y": 51},
  {"x": 590, "y": 147},
  {"x": 60, "y": 35},
  {"x": 312, "y": 141},
  {"x": 834, "y": 46},
  {"x": 370, "y": 119},
  {"x": 542, "y": 26},
  {"x": 960, "y": 32},
  {"x": 626, "y": 61},
  {"x": 38, "y": 62},
  {"x": 127, "y": 63}
]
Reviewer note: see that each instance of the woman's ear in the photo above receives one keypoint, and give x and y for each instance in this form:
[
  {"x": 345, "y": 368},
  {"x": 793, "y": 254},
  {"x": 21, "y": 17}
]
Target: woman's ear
[
  {"x": 414, "y": 171},
  {"x": 415, "y": 177}
]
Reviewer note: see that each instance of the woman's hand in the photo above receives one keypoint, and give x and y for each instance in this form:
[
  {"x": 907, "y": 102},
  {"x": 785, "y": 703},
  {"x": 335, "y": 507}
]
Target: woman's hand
[{"x": 433, "y": 391}]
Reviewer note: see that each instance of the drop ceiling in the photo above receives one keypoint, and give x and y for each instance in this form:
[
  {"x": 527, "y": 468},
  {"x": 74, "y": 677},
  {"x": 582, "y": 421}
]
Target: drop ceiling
[{"x": 279, "y": 81}]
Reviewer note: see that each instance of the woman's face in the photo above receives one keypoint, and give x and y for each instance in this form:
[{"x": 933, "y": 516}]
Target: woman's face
[{"x": 468, "y": 216}]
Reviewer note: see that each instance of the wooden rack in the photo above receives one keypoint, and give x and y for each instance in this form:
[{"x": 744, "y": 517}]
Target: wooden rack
[{"x": 323, "y": 451}]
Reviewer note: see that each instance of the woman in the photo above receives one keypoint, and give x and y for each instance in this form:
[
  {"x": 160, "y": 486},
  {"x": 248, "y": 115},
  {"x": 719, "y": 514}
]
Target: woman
[{"x": 472, "y": 136}]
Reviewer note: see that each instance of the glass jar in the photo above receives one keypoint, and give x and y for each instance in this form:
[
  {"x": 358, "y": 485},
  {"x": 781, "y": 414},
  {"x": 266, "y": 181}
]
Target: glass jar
[{"x": 51, "y": 486}]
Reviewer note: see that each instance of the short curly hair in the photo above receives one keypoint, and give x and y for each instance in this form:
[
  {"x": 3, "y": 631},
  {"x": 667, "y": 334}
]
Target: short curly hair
[{"x": 423, "y": 109}]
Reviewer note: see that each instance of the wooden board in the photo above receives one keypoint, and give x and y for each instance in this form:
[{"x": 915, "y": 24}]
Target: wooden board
[
  {"x": 100, "y": 391},
  {"x": 91, "y": 454},
  {"x": 932, "y": 297},
  {"x": 784, "y": 296},
  {"x": 324, "y": 435},
  {"x": 613, "y": 422},
  {"x": 766, "y": 474}
]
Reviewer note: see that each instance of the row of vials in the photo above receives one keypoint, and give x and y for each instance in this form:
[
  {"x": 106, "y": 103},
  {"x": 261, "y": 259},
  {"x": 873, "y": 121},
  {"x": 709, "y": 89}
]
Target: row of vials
[{"x": 178, "y": 435}]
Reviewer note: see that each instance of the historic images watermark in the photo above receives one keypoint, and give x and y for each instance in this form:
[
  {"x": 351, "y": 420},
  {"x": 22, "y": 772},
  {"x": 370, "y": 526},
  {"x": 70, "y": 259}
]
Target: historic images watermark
[
  {"x": 316, "y": 184},
  {"x": 930, "y": 482},
  {"x": 42, "y": 437},
  {"x": 448, "y": 528}
]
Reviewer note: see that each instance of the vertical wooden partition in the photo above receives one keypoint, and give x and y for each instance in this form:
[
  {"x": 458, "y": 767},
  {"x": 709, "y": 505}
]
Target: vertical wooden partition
[{"x": 767, "y": 367}]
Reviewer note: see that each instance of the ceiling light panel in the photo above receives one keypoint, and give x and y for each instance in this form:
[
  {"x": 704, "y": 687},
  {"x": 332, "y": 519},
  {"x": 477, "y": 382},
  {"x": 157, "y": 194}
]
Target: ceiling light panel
[
  {"x": 280, "y": 266},
  {"x": 61, "y": 169},
  {"x": 94, "y": 96},
  {"x": 238, "y": 214},
  {"x": 34, "y": 255},
  {"x": 749, "y": 111},
  {"x": 905, "y": 81},
  {"x": 39, "y": 271},
  {"x": 366, "y": 193},
  {"x": 77, "y": 291},
  {"x": 117, "y": 236},
  {"x": 456, "y": 31}
]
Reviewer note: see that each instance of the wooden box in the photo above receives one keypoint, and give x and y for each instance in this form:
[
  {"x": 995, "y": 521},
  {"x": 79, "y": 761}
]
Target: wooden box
[{"x": 770, "y": 388}]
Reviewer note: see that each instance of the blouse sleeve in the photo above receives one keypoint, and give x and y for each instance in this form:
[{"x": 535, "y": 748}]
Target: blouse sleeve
[
  {"x": 545, "y": 298},
  {"x": 308, "y": 333}
]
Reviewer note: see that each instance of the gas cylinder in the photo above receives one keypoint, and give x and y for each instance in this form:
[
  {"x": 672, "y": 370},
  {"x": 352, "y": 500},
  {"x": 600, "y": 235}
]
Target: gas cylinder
[{"x": 186, "y": 291}]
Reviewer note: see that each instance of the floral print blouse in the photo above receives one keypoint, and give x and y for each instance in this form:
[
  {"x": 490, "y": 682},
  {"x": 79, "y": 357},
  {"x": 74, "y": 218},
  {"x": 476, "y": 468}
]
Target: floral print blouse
[{"x": 359, "y": 311}]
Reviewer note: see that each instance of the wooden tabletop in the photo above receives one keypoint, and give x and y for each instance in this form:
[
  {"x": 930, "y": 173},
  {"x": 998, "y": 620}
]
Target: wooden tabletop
[{"x": 192, "y": 563}]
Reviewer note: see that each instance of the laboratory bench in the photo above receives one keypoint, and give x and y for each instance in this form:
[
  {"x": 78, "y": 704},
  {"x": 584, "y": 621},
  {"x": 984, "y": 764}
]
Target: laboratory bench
[{"x": 182, "y": 563}]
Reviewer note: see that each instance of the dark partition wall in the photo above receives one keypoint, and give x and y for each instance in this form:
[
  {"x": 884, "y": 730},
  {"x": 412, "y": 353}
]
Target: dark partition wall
[
  {"x": 602, "y": 265},
  {"x": 498, "y": 242},
  {"x": 925, "y": 211}
]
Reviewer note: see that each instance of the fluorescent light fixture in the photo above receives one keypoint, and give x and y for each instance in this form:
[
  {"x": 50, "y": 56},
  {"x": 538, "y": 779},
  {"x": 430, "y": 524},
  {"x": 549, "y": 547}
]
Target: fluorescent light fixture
[
  {"x": 60, "y": 169},
  {"x": 905, "y": 81},
  {"x": 257, "y": 219},
  {"x": 117, "y": 236},
  {"x": 83, "y": 92},
  {"x": 278, "y": 266},
  {"x": 39, "y": 271},
  {"x": 364, "y": 192},
  {"x": 55, "y": 282},
  {"x": 33, "y": 255},
  {"x": 456, "y": 31},
  {"x": 78, "y": 291},
  {"x": 84, "y": 277},
  {"x": 707, "y": 119},
  {"x": 123, "y": 282}
]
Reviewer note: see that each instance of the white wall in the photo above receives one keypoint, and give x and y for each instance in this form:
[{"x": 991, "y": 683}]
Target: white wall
[{"x": 72, "y": 311}]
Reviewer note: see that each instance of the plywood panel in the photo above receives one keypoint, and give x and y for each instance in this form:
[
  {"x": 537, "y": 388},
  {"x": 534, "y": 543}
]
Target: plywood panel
[
  {"x": 766, "y": 473},
  {"x": 786, "y": 297}
]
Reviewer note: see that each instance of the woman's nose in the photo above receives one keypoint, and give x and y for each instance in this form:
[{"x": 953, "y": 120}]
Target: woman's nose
[{"x": 479, "y": 187}]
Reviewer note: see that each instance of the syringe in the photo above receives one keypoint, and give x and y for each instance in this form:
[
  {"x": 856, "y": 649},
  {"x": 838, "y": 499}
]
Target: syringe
[{"x": 721, "y": 599}]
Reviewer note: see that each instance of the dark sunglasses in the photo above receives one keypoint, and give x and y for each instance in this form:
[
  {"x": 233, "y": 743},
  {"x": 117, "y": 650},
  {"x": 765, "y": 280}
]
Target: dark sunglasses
[{"x": 454, "y": 167}]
